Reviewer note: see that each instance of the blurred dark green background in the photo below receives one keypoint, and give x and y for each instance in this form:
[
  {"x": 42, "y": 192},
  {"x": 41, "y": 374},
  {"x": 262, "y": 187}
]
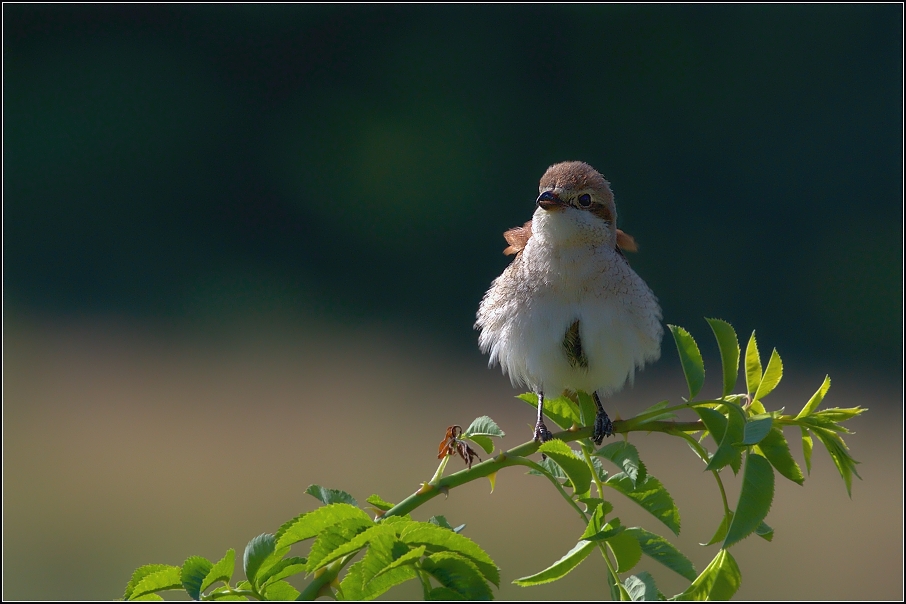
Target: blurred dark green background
[
  {"x": 349, "y": 162},
  {"x": 244, "y": 246}
]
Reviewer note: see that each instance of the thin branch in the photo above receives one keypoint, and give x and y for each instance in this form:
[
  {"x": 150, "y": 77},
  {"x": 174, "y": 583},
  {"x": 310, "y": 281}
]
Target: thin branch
[{"x": 430, "y": 490}]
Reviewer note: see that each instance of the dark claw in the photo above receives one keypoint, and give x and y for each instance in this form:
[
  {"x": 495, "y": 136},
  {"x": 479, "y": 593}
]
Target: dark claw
[
  {"x": 542, "y": 434},
  {"x": 603, "y": 427}
]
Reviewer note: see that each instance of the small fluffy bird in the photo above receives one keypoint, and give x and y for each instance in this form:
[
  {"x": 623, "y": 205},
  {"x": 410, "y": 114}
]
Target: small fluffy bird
[{"x": 569, "y": 313}]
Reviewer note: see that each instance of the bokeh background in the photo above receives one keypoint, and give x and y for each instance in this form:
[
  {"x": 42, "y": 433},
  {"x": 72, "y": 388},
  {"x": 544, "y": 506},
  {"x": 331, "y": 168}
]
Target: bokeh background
[{"x": 244, "y": 245}]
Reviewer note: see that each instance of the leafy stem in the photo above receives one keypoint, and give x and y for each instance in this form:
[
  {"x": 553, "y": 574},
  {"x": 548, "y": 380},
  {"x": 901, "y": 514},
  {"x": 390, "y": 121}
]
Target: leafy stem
[
  {"x": 703, "y": 454},
  {"x": 522, "y": 461},
  {"x": 515, "y": 456},
  {"x": 449, "y": 566},
  {"x": 320, "y": 585}
]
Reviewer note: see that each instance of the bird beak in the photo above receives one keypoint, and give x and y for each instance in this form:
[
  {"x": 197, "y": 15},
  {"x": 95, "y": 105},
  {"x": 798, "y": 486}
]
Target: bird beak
[{"x": 549, "y": 201}]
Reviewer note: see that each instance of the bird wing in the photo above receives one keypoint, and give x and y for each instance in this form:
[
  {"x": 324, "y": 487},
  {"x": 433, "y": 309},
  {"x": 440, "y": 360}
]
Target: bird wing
[
  {"x": 626, "y": 242},
  {"x": 518, "y": 237}
]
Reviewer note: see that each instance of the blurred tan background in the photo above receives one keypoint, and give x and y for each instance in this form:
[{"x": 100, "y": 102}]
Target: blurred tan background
[
  {"x": 128, "y": 445},
  {"x": 243, "y": 249}
]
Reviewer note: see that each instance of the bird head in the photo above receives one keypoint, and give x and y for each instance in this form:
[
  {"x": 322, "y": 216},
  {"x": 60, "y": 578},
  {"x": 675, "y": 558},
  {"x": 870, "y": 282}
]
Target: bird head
[{"x": 575, "y": 204}]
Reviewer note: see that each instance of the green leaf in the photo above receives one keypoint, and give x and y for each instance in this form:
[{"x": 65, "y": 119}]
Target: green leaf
[
  {"x": 719, "y": 581},
  {"x": 312, "y": 523},
  {"x": 641, "y": 587},
  {"x": 599, "y": 468},
  {"x": 281, "y": 591},
  {"x": 753, "y": 366},
  {"x": 816, "y": 399},
  {"x": 835, "y": 415},
  {"x": 440, "y": 521},
  {"x": 482, "y": 441},
  {"x": 728, "y": 452},
  {"x": 656, "y": 407},
  {"x": 561, "y": 567},
  {"x": 222, "y": 594},
  {"x": 775, "y": 448},
  {"x": 327, "y": 496},
  {"x": 561, "y": 411},
  {"x": 819, "y": 420},
  {"x": 365, "y": 579},
  {"x": 651, "y": 495},
  {"x": 714, "y": 421},
  {"x": 256, "y": 552},
  {"x": 484, "y": 426},
  {"x": 154, "y": 577},
  {"x": 344, "y": 538},
  {"x": 626, "y": 550},
  {"x": 772, "y": 374},
  {"x": 409, "y": 557},
  {"x": 756, "y": 428},
  {"x": 807, "y": 446},
  {"x": 765, "y": 532},
  {"x": 587, "y": 408},
  {"x": 755, "y": 499},
  {"x": 658, "y": 548},
  {"x": 221, "y": 571},
  {"x": 444, "y": 594},
  {"x": 593, "y": 503},
  {"x": 440, "y": 539},
  {"x": 388, "y": 562},
  {"x": 576, "y": 469},
  {"x": 268, "y": 563},
  {"x": 459, "y": 574},
  {"x": 608, "y": 531},
  {"x": 596, "y": 523},
  {"x": 690, "y": 358},
  {"x": 284, "y": 568},
  {"x": 379, "y": 504},
  {"x": 626, "y": 457},
  {"x": 728, "y": 344},
  {"x": 721, "y": 531},
  {"x": 149, "y": 597},
  {"x": 839, "y": 453},
  {"x": 193, "y": 572},
  {"x": 658, "y": 417},
  {"x": 548, "y": 465}
]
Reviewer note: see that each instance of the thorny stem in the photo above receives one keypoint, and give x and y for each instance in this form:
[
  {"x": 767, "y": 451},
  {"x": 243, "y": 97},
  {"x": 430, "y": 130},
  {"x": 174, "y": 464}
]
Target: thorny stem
[
  {"x": 517, "y": 457},
  {"x": 440, "y": 469},
  {"x": 514, "y": 456}
]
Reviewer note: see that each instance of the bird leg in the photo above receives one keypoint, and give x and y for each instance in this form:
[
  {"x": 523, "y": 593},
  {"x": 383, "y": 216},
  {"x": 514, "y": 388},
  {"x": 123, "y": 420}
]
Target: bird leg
[
  {"x": 603, "y": 425},
  {"x": 542, "y": 434}
]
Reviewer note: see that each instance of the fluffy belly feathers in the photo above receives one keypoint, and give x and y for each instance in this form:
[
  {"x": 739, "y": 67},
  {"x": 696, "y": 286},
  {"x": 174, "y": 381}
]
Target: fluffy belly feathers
[{"x": 527, "y": 329}]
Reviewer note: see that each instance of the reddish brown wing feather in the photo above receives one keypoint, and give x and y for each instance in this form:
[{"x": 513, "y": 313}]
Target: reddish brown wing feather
[
  {"x": 626, "y": 242},
  {"x": 517, "y": 238}
]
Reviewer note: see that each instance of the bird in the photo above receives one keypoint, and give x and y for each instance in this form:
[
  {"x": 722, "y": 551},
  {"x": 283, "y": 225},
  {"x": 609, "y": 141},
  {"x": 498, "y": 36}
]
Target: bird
[{"x": 569, "y": 313}]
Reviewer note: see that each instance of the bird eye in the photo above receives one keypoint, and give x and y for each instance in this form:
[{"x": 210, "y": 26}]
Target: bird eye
[{"x": 585, "y": 200}]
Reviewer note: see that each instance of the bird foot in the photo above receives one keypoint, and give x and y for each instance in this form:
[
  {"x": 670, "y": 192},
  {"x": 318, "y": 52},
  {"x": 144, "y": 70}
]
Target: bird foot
[
  {"x": 542, "y": 434},
  {"x": 603, "y": 427}
]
